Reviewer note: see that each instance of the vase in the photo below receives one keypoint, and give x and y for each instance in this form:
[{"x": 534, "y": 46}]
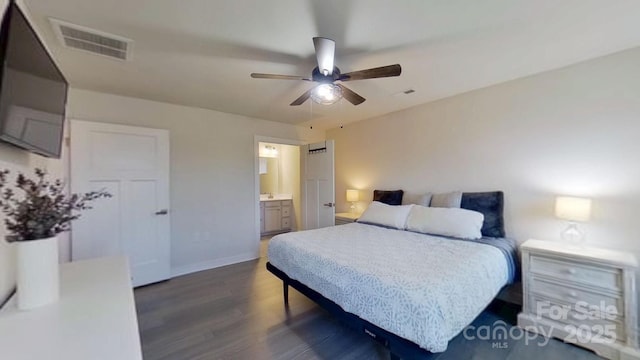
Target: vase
[{"x": 37, "y": 274}]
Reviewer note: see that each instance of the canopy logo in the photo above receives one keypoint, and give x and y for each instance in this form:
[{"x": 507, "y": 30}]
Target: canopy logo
[{"x": 572, "y": 316}]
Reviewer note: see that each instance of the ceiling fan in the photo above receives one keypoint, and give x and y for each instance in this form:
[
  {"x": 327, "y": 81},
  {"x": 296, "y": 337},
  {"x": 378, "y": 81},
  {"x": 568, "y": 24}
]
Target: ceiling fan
[{"x": 327, "y": 74}]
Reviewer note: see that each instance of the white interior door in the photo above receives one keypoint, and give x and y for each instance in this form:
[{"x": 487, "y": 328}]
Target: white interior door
[
  {"x": 319, "y": 185},
  {"x": 131, "y": 163}
]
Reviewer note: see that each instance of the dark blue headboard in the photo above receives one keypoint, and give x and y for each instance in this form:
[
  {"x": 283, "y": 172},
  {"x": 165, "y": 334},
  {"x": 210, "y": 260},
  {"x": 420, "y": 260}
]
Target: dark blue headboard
[
  {"x": 389, "y": 197},
  {"x": 491, "y": 205}
]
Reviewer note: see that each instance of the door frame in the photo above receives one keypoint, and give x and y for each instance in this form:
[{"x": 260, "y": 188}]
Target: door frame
[{"x": 257, "y": 139}]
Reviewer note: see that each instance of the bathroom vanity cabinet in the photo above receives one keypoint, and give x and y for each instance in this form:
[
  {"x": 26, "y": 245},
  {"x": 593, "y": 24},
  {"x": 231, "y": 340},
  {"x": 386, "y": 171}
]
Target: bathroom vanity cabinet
[{"x": 275, "y": 216}]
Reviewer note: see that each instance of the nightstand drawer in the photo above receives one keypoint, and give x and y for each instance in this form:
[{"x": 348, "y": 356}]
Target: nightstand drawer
[
  {"x": 584, "y": 295},
  {"x": 604, "y": 277},
  {"x": 573, "y": 295}
]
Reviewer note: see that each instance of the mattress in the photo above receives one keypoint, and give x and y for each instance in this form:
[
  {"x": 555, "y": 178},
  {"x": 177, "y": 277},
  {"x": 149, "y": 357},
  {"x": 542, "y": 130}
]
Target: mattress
[{"x": 423, "y": 288}]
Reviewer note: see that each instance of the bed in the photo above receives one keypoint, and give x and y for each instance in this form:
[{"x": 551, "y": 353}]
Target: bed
[{"x": 411, "y": 291}]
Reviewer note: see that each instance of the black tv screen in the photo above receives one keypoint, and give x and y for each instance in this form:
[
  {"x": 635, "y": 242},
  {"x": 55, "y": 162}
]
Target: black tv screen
[{"x": 33, "y": 95}]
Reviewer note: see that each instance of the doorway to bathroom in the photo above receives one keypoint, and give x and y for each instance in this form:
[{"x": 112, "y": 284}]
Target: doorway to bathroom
[{"x": 279, "y": 184}]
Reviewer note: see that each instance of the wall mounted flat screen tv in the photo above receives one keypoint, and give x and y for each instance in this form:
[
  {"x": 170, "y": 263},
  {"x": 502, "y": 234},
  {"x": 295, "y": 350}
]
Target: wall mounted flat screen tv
[{"x": 33, "y": 91}]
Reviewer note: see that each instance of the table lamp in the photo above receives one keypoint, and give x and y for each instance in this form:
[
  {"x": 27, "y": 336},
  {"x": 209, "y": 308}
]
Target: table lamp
[
  {"x": 574, "y": 210},
  {"x": 353, "y": 196}
]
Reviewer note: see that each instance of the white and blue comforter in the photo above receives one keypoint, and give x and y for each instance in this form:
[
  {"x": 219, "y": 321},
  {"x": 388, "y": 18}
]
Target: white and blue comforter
[{"x": 420, "y": 287}]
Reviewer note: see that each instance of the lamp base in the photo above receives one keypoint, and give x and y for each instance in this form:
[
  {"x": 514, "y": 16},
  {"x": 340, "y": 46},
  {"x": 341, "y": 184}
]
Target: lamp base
[
  {"x": 573, "y": 235},
  {"x": 352, "y": 208}
]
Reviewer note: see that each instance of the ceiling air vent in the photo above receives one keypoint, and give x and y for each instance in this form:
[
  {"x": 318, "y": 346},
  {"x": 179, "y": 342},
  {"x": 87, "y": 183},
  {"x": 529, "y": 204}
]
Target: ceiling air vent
[{"x": 93, "y": 41}]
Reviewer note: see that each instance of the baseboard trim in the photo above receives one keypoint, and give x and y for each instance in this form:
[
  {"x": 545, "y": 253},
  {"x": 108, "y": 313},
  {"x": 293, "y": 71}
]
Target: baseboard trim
[{"x": 211, "y": 264}]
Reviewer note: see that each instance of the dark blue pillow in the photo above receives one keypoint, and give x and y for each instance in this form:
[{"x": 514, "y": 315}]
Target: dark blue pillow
[
  {"x": 491, "y": 205},
  {"x": 389, "y": 197}
]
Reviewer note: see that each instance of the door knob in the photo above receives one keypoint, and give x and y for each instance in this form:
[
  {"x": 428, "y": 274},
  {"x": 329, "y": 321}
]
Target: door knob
[
  {"x": 329, "y": 204},
  {"x": 162, "y": 212}
]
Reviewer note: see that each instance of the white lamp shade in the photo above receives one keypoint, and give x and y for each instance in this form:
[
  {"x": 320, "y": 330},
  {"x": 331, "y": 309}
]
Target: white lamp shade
[
  {"x": 353, "y": 195},
  {"x": 573, "y": 208}
]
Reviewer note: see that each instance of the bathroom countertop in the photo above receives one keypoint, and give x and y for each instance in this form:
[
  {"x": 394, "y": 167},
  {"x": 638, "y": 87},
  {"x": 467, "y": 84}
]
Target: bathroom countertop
[{"x": 276, "y": 197}]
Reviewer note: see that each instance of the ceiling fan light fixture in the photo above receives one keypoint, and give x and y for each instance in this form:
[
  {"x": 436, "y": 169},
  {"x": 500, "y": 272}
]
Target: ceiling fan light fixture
[
  {"x": 326, "y": 94},
  {"x": 326, "y": 73}
]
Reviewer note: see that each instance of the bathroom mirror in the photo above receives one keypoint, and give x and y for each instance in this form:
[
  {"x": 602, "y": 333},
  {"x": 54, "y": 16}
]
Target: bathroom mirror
[{"x": 269, "y": 181}]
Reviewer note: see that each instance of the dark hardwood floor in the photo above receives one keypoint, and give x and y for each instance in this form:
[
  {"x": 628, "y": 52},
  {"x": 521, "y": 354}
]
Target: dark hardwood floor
[{"x": 236, "y": 312}]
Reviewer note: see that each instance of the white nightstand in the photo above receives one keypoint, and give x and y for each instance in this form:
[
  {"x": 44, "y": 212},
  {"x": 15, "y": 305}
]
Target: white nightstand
[
  {"x": 581, "y": 295},
  {"x": 346, "y": 217}
]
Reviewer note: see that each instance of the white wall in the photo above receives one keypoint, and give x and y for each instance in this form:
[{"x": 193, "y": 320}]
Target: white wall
[
  {"x": 7, "y": 157},
  {"x": 18, "y": 160},
  {"x": 212, "y": 173},
  {"x": 571, "y": 131}
]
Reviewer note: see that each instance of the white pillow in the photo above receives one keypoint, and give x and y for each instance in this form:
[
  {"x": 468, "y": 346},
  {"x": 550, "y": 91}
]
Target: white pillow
[
  {"x": 454, "y": 222},
  {"x": 394, "y": 216}
]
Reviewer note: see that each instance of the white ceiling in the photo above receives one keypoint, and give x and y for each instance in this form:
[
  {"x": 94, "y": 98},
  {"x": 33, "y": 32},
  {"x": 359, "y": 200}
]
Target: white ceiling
[{"x": 201, "y": 52}]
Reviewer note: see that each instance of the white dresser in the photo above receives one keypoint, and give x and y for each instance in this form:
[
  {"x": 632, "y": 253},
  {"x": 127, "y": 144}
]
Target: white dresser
[
  {"x": 95, "y": 317},
  {"x": 581, "y": 295}
]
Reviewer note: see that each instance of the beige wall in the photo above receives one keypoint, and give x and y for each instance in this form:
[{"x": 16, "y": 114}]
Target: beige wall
[
  {"x": 213, "y": 188},
  {"x": 289, "y": 161},
  {"x": 571, "y": 131}
]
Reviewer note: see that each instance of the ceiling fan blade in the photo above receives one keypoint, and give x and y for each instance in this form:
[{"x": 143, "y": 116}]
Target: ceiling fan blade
[
  {"x": 351, "y": 96},
  {"x": 325, "y": 52},
  {"x": 379, "y": 72},
  {"x": 278, "y": 77},
  {"x": 302, "y": 98}
]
